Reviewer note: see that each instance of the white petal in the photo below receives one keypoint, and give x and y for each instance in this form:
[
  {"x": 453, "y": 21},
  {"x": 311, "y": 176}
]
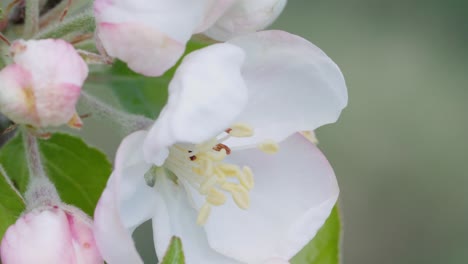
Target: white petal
[
  {"x": 294, "y": 193},
  {"x": 150, "y": 35},
  {"x": 175, "y": 18},
  {"x": 213, "y": 11},
  {"x": 144, "y": 49},
  {"x": 293, "y": 85},
  {"x": 205, "y": 96},
  {"x": 175, "y": 217},
  {"x": 246, "y": 16},
  {"x": 112, "y": 238},
  {"x": 126, "y": 203}
]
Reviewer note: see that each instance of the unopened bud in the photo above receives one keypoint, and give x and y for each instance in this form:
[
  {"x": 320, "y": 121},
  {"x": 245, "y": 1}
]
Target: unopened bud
[
  {"x": 42, "y": 85},
  {"x": 51, "y": 234}
]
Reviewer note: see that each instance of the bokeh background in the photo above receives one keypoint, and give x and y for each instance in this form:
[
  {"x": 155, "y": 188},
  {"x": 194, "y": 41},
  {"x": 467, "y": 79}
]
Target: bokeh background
[{"x": 400, "y": 149}]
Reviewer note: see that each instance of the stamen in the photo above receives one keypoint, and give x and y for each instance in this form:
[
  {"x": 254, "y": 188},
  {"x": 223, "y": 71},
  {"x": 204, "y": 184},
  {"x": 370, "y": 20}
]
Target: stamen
[
  {"x": 239, "y": 193},
  {"x": 240, "y": 130},
  {"x": 246, "y": 178},
  {"x": 269, "y": 147},
  {"x": 216, "y": 197},
  {"x": 203, "y": 214},
  {"x": 203, "y": 168},
  {"x": 230, "y": 170},
  {"x": 207, "y": 185}
]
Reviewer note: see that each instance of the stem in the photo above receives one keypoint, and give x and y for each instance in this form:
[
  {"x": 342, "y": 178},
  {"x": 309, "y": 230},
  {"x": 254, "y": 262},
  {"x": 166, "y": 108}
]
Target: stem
[
  {"x": 9, "y": 182},
  {"x": 40, "y": 191},
  {"x": 128, "y": 122},
  {"x": 53, "y": 14},
  {"x": 83, "y": 22},
  {"x": 31, "y": 22}
]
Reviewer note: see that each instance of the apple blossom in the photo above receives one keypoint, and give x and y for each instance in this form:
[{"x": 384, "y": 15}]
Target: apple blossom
[
  {"x": 42, "y": 85},
  {"x": 230, "y": 129},
  {"x": 50, "y": 234},
  {"x": 150, "y": 36}
]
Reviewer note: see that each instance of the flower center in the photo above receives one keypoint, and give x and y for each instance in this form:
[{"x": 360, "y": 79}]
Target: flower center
[{"x": 203, "y": 166}]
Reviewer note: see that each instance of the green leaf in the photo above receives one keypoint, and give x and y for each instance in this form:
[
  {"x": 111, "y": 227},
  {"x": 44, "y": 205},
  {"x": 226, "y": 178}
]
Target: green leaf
[
  {"x": 11, "y": 204},
  {"x": 174, "y": 253},
  {"x": 78, "y": 171},
  {"x": 325, "y": 247},
  {"x": 139, "y": 94}
]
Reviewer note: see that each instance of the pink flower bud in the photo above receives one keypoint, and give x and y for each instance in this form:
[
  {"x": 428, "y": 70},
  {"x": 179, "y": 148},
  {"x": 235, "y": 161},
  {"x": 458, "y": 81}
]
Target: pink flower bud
[
  {"x": 42, "y": 85},
  {"x": 50, "y": 234}
]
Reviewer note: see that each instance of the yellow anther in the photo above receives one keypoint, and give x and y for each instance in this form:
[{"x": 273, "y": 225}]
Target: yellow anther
[
  {"x": 246, "y": 178},
  {"x": 216, "y": 197},
  {"x": 241, "y": 197},
  {"x": 269, "y": 147},
  {"x": 203, "y": 214},
  {"x": 310, "y": 135},
  {"x": 208, "y": 184},
  {"x": 229, "y": 169},
  {"x": 239, "y": 193},
  {"x": 241, "y": 130}
]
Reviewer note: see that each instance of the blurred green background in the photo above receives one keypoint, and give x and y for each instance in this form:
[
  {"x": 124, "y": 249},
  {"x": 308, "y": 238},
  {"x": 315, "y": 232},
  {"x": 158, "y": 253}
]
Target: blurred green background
[{"x": 400, "y": 149}]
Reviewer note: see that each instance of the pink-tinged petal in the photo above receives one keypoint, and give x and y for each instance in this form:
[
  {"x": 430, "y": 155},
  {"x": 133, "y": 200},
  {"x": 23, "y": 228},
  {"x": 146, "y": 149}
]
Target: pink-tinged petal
[
  {"x": 175, "y": 217},
  {"x": 126, "y": 203},
  {"x": 56, "y": 106},
  {"x": 17, "y": 100},
  {"x": 50, "y": 61},
  {"x": 246, "y": 16},
  {"x": 81, "y": 231},
  {"x": 146, "y": 50},
  {"x": 295, "y": 191},
  {"x": 293, "y": 86},
  {"x": 213, "y": 11},
  {"x": 205, "y": 96},
  {"x": 154, "y": 32},
  {"x": 38, "y": 237}
]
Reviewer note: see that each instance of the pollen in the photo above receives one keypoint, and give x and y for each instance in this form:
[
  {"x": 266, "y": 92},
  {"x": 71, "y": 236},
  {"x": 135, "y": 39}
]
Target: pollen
[{"x": 269, "y": 147}]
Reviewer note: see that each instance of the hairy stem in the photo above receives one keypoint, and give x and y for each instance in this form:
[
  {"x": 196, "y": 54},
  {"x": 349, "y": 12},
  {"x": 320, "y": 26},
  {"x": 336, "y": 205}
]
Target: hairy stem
[
  {"x": 40, "y": 191},
  {"x": 83, "y": 22},
  {"x": 128, "y": 122},
  {"x": 31, "y": 21}
]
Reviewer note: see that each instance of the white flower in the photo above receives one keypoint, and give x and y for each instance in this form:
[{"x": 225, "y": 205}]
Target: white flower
[
  {"x": 150, "y": 35},
  {"x": 42, "y": 85},
  {"x": 224, "y": 167}
]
